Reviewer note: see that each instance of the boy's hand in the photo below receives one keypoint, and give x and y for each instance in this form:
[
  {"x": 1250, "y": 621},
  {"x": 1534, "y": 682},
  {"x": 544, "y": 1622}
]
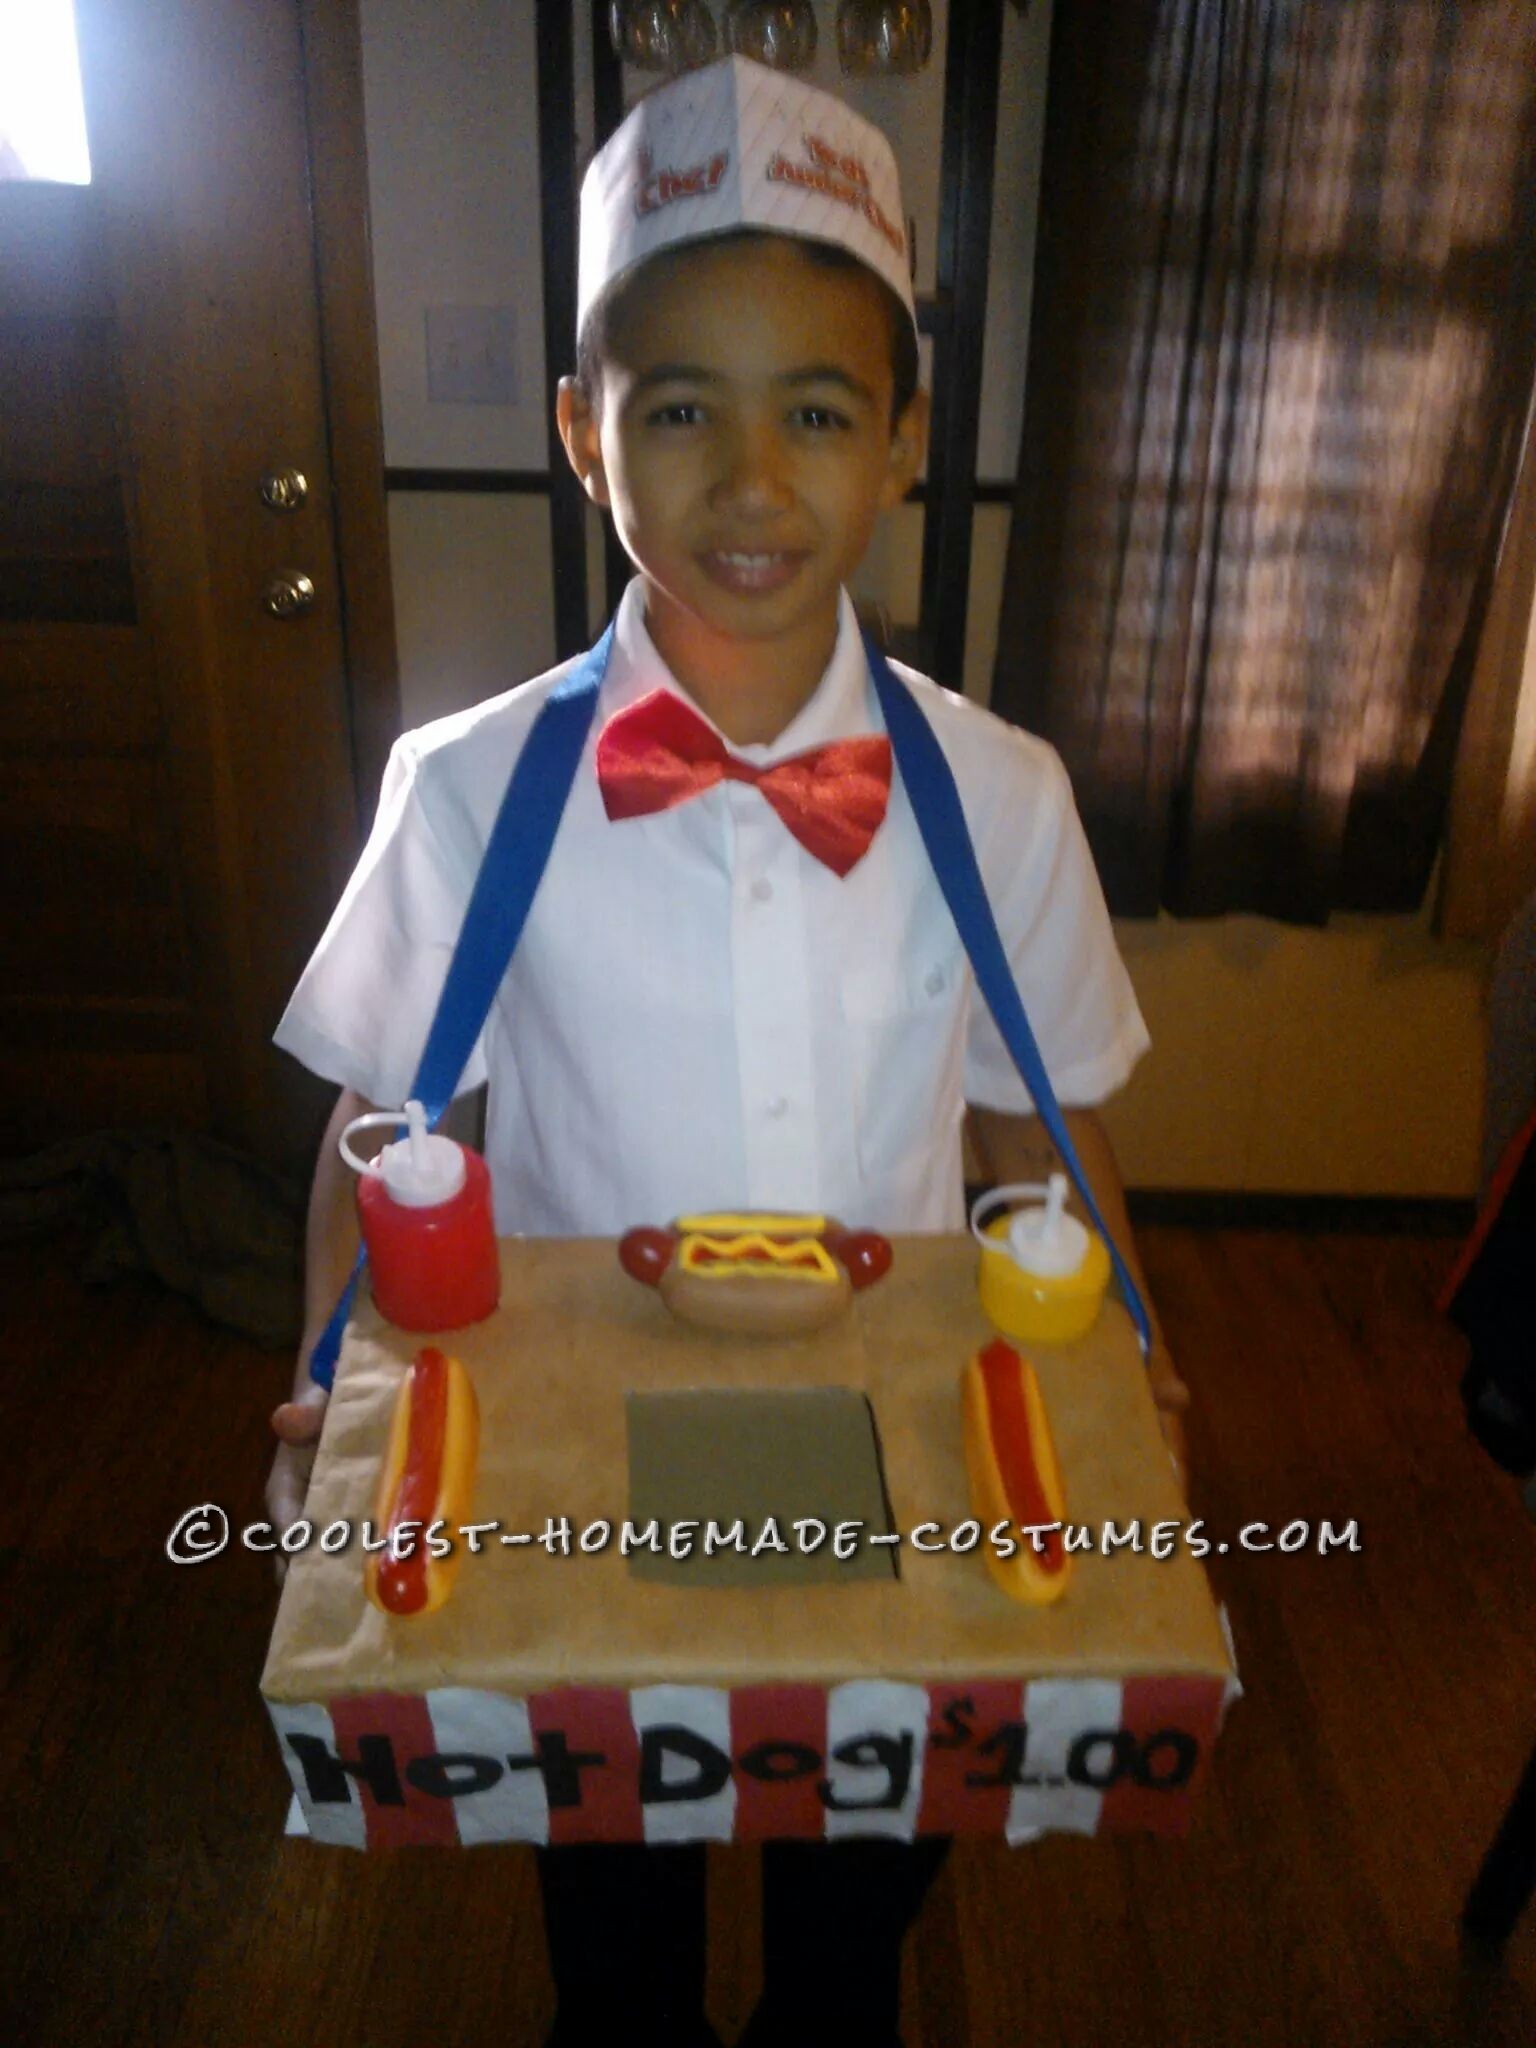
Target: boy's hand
[
  {"x": 298, "y": 1424},
  {"x": 1172, "y": 1398}
]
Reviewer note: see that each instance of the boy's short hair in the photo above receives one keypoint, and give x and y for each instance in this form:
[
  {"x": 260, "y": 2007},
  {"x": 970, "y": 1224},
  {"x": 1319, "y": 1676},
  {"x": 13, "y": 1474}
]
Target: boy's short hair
[{"x": 594, "y": 342}]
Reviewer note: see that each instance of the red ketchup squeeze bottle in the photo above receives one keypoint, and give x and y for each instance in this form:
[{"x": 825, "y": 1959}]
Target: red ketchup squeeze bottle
[{"x": 425, "y": 1209}]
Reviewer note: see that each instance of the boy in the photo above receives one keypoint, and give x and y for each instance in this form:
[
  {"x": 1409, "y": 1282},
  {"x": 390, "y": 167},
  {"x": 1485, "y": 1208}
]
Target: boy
[{"x": 739, "y": 986}]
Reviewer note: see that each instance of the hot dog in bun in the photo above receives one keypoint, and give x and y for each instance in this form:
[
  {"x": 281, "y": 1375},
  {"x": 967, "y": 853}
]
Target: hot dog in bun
[
  {"x": 428, "y": 1475},
  {"x": 1012, "y": 1466},
  {"x": 755, "y": 1273}
]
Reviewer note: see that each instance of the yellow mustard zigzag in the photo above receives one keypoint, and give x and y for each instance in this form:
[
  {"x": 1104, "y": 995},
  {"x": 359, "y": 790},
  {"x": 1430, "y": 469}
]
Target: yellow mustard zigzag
[{"x": 781, "y": 1259}]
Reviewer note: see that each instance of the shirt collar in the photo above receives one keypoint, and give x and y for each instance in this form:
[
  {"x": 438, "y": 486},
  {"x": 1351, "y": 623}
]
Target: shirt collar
[{"x": 842, "y": 705}]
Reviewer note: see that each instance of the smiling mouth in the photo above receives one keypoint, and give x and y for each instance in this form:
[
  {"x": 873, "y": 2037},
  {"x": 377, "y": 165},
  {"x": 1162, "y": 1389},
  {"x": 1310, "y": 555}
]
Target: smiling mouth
[{"x": 750, "y": 571}]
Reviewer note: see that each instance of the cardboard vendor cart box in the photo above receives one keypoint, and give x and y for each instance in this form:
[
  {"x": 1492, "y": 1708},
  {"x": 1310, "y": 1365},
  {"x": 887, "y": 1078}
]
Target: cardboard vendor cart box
[{"x": 648, "y": 1640}]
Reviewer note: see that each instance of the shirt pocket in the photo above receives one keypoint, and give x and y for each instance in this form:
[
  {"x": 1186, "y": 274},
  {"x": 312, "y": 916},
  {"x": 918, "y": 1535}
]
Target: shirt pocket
[{"x": 906, "y": 1029}]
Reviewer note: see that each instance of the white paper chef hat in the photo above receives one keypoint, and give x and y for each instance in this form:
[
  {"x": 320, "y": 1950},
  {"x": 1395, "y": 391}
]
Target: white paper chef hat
[{"x": 732, "y": 145}]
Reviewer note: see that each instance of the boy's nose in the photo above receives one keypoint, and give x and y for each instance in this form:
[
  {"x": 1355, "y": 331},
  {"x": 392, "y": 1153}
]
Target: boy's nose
[{"x": 752, "y": 472}]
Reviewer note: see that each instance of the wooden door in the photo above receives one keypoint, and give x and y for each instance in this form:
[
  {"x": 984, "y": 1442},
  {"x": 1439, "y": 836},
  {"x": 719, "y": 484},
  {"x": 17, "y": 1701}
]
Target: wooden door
[{"x": 178, "y": 807}]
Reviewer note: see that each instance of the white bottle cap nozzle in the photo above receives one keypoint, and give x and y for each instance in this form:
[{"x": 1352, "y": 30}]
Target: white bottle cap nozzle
[
  {"x": 1045, "y": 1242},
  {"x": 1048, "y": 1242},
  {"x": 421, "y": 1170}
]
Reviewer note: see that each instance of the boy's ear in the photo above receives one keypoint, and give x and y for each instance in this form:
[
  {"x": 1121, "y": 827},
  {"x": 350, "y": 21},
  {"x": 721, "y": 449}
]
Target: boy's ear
[
  {"x": 909, "y": 438},
  {"x": 583, "y": 440}
]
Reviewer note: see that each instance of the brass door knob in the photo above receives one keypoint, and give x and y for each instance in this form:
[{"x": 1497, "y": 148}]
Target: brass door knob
[
  {"x": 284, "y": 490},
  {"x": 289, "y": 593}
]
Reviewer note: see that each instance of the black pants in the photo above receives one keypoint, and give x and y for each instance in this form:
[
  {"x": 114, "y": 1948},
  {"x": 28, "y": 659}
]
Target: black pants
[{"x": 626, "y": 1942}]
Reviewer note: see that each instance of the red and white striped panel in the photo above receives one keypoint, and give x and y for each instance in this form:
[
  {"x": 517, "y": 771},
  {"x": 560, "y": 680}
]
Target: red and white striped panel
[{"x": 676, "y": 1763}]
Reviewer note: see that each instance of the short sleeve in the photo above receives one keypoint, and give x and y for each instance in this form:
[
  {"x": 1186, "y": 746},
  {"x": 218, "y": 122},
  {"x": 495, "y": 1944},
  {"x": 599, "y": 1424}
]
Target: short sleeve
[
  {"x": 1056, "y": 929},
  {"x": 364, "y": 1004}
]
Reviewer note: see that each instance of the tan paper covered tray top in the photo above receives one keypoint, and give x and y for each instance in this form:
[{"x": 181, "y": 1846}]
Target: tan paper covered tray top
[{"x": 568, "y": 1691}]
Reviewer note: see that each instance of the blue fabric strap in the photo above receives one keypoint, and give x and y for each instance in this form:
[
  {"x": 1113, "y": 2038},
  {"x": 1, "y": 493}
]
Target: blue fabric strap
[
  {"x": 516, "y": 855},
  {"x": 930, "y": 786}
]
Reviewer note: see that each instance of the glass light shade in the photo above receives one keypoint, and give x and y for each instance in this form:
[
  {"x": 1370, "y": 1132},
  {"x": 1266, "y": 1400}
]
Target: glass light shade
[
  {"x": 777, "y": 32},
  {"x": 884, "y": 35},
  {"x": 661, "y": 35}
]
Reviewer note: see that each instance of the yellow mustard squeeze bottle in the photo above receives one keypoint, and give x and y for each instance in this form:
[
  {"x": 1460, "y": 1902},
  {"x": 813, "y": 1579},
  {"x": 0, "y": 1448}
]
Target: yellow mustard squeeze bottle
[{"x": 1043, "y": 1274}]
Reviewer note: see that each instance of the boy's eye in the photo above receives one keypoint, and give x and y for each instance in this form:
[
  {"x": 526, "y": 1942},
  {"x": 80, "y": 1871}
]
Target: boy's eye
[
  {"x": 822, "y": 417},
  {"x": 669, "y": 415}
]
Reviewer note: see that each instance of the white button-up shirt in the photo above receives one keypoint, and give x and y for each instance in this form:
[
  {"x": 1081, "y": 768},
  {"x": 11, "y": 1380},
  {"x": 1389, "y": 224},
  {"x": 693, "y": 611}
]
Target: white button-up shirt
[{"x": 701, "y": 1014}]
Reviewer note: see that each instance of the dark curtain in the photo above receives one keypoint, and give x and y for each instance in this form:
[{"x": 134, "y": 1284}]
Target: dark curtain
[{"x": 1282, "y": 343}]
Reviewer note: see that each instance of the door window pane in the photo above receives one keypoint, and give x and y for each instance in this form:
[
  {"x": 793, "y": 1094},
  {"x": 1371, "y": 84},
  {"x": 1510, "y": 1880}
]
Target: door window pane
[{"x": 42, "y": 111}]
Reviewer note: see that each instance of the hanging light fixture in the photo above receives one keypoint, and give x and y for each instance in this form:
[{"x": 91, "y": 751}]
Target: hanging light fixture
[
  {"x": 777, "y": 32},
  {"x": 661, "y": 35},
  {"x": 884, "y": 35}
]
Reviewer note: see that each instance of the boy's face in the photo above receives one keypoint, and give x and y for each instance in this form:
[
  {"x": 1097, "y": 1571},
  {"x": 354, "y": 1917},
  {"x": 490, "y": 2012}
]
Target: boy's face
[{"x": 745, "y": 444}]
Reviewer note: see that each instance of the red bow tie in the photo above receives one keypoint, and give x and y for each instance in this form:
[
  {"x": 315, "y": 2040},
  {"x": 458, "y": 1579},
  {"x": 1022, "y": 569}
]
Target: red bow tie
[{"x": 659, "y": 752}]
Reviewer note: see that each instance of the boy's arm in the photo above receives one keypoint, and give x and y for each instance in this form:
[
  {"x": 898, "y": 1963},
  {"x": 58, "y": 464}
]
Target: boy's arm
[
  {"x": 1015, "y": 1148},
  {"x": 330, "y": 1246}
]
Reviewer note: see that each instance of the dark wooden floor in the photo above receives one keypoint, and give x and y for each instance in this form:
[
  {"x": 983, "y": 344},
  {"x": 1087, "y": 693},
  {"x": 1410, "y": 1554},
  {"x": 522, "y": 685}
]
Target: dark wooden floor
[{"x": 1391, "y": 1701}]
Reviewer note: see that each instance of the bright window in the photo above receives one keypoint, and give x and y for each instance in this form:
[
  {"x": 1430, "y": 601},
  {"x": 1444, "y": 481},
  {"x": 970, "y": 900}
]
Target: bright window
[{"x": 42, "y": 110}]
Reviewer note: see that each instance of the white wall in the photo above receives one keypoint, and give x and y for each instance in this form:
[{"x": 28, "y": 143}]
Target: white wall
[{"x": 1344, "y": 1061}]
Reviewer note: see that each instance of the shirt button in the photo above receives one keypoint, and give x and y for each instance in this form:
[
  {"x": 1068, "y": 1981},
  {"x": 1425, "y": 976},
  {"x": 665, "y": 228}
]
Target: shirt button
[
  {"x": 776, "y": 1105},
  {"x": 762, "y": 889},
  {"x": 935, "y": 981}
]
